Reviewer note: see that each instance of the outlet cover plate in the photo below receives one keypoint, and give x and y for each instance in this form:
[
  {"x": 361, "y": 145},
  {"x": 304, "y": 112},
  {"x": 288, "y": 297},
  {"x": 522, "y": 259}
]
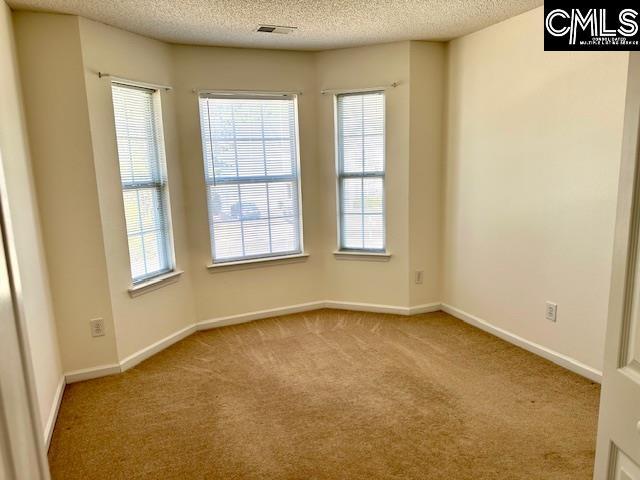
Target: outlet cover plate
[
  {"x": 97, "y": 327},
  {"x": 551, "y": 311}
]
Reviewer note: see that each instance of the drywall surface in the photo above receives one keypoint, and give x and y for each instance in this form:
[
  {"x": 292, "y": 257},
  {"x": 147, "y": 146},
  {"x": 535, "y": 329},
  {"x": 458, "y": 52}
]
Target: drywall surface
[
  {"x": 520, "y": 212},
  {"x": 55, "y": 101},
  {"x": 427, "y": 88},
  {"x": 533, "y": 143},
  {"x": 148, "y": 318},
  {"x": 31, "y": 272},
  {"x": 226, "y": 291},
  {"x": 355, "y": 280}
]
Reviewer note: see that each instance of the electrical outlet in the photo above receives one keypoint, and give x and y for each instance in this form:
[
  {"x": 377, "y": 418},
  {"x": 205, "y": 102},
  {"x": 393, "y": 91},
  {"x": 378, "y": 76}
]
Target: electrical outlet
[
  {"x": 551, "y": 311},
  {"x": 419, "y": 277},
  {"x": 97, "y": 327}
]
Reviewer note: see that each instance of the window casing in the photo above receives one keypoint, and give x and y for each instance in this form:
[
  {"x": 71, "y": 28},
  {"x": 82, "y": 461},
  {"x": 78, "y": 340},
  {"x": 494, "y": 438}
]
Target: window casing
[
  {"x": 143, "y": 176},
  {"x": 252, "y": 175},
  {"x": 360, "y": 152}
]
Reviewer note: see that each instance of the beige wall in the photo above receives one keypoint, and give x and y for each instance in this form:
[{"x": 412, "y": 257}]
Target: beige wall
[
  {"x": 145, "y": 319},
  {"x": 228, "y": 290},
  {"x": 414, "y": 154},
  {"x": 378, "y": 282},
  {"x": 427, "y": 68},
  {"x": 521, "y": 211},
  {"x": 52, "y": 76},
  {"x": 222, "y": 292},
  {"x": 533, "y": 144},
  {"x": 31, "y": 272},
  {"x": 84, "y": 226}
]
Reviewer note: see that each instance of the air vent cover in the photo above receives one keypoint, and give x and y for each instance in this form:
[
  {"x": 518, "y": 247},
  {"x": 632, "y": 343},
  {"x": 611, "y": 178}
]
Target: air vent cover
[{"x": 281, "y": 29}]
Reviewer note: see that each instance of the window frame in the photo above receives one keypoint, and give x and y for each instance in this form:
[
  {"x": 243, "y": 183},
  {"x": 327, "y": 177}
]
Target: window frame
[
  {"x": 340, "y": 176},
  {"x": 258, "y": 258},
  {"x": 162, "y": 187}
]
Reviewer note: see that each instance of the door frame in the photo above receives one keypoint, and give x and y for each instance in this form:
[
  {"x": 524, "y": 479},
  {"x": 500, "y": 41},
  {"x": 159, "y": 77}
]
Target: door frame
[
  {"x": 22, "y": 452},
  {"x": 625, "y": 253}
]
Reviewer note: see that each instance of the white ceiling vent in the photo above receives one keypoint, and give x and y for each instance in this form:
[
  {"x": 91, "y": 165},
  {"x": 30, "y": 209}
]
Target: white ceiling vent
[{"x": 275, "y": 29}]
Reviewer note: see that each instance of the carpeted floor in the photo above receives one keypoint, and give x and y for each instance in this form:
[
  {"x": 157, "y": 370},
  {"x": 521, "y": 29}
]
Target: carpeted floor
[{"x": 332, "y": 395}]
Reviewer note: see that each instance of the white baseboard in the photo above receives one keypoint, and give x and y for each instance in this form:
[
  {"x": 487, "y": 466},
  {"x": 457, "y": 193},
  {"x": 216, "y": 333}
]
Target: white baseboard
[
  {"x": 426, "y": 308},
  {"x": 377, "y": 308},
  {"x": 544, "y": 352},
  {"x": 91, "y": 373},
  {"x": 53, "y": 414},
  {"x": 141, "y": 355},
  {"x": 306, "y": 307},
  {"x": 258, "y": 315},
  {"x": 366, "y": 307},
  {"x": 132, "y": 360}
]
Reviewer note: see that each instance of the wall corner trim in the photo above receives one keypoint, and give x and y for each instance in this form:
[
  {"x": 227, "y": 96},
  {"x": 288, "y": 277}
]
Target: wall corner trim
[
  {"x": 558, "y": 358},
  {"x": 53, "y": 414}
]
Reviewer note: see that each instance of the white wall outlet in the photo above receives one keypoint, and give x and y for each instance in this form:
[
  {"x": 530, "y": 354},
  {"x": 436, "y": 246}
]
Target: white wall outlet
[
  {"x": 97, "y": 327},
  {"x": 551, "y": 311},
  {"x": 419, "y": 277}
]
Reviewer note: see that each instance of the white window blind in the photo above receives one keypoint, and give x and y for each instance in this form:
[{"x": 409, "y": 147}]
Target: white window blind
[
  {"x": 144, "y": 184},
  {"x": 250, "y": 149},
  {"x": 361, "y": 170}
]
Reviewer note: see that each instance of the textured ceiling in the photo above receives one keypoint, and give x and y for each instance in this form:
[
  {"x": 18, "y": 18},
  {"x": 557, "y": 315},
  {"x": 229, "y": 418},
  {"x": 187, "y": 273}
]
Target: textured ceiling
[{"x": 321, "y": 24}]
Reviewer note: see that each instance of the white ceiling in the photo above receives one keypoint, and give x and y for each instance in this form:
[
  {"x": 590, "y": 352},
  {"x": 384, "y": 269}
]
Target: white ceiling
[{"x": 321, "y": 24}]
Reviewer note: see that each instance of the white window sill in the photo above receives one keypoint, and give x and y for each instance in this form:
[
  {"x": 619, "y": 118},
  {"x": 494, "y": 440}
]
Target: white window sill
[
  {"x": 363, "y": 255},
  {"x": 258, "y": 262},
  {"x": 155, "y": 283}
]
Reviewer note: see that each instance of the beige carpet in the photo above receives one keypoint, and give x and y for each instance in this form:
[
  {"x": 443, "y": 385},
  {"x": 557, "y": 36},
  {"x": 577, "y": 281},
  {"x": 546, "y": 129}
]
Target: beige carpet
[{"x": 332, "y": 395}]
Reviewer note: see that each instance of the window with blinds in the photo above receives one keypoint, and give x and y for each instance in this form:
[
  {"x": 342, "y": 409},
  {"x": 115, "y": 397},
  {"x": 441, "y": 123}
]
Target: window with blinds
[
  {"x": 144, "y": 183},
  {"x": 250, "y": 150},
  {"x": 360, "y": 133}
]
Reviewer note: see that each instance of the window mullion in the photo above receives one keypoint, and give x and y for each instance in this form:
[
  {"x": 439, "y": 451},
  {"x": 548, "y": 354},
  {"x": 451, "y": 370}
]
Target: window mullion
[
  {"x": 160, "y": 183},
  {"x": 142, "y": 185},
  {"x": 264, "y": 158},
  {"x": 210, "y": 182},
  {"x": 249, "y": 180},
  {"x": 235, "y": 151},
  {"x": 161, "y": 241},
  {"x": 144, "y": 248},
  {"x": 362, "y": 178},
  {"x": 365, "y": 174}
]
